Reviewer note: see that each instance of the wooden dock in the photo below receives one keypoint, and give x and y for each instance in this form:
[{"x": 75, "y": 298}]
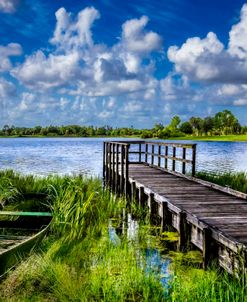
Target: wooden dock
[{"x": 162, "y": 177}]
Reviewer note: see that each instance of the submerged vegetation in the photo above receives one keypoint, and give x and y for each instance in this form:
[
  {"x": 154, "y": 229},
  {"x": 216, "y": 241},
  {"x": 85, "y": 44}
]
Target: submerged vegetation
[
  {"x": 223, "y": 125},
  {"x": 89, "y": 255}
]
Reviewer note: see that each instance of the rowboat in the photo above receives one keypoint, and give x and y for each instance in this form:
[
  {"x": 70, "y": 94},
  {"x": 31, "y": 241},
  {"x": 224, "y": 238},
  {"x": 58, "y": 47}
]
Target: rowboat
[{"x": 20, "y": 233}]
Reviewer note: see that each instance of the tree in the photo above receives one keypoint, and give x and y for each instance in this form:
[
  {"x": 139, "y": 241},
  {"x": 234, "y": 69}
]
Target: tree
[
  {"x": 186, "y": 128},
  {"x": 196, "y": 123},
  {"x": 174, "y": 123},
  {"x": 225, "y": 122},
  {"x": 208, "y": 124}
]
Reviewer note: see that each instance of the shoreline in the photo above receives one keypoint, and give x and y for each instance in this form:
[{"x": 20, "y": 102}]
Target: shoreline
[{"x": 223, "y": 138}]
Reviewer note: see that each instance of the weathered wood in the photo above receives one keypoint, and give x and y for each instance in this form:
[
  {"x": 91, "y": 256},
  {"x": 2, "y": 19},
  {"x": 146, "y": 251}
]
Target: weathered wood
[
  {"x": 141, "y": 196},
  {"x": 207, "y": 246},
  {"x": 209, "y": 216},
  {"x": 184, "y": 232}
]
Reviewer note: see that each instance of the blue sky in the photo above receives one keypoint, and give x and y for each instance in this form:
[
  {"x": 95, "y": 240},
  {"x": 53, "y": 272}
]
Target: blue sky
[{"x": 121, "y": 63}]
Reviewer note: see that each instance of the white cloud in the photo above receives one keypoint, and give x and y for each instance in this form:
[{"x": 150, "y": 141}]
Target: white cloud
[
  {"x": 27, "y": 101},
  {"x": 12, "y": 49},
  {"x": 7, "y": 89},
  {"x": 69, "y": 33},
  {"x": 41, "y": 72},
  {"x": 135, "y": 39},
  {"x": 78, "y": 66},
  {"x": 207, "y": 60},
  {"x": 238, "y": 36},
  {"x": 8, "y": 6},
  {"x": 240, "y": 102}
]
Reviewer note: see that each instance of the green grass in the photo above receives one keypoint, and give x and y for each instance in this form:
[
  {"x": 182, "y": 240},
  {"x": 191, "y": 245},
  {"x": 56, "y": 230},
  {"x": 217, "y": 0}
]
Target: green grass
[
  {"x": 234, "y": 180},
  {"x": 223, "y": 138},
  {"x": 79, "y": 262}
]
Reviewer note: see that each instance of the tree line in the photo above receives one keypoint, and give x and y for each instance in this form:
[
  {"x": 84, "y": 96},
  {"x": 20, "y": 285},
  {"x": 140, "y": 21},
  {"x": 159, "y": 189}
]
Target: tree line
[{"x": 222, "y": 123}]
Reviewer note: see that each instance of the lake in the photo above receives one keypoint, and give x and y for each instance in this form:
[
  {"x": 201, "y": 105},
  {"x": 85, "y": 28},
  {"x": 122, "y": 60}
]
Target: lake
[{"x": 44, "y": 156}]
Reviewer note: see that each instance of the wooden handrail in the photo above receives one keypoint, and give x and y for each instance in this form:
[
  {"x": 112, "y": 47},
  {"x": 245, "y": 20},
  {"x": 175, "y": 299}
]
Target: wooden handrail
[{"x": 118, "y": 154}]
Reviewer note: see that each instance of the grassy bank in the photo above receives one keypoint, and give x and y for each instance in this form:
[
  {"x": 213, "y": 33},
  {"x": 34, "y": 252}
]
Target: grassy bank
[
  {"x": 81, "y": 260},
  {"x": 216, "y": 138},
  {"x": 234, "y": 180}
]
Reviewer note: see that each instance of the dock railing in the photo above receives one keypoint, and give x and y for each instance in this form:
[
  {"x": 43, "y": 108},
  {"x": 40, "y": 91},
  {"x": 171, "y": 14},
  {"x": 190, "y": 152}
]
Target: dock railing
[{"x": 117, "y": 155}]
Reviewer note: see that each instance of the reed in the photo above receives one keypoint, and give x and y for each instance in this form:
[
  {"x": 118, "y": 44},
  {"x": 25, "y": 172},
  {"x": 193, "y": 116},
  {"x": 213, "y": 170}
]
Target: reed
[
  {"x": 79, "y": 261},
  {"x": 234, "y": 180}
]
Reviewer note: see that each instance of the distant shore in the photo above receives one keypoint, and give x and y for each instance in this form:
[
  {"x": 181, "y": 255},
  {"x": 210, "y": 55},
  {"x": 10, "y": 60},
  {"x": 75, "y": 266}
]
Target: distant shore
[{"x": 223, "y": 138}]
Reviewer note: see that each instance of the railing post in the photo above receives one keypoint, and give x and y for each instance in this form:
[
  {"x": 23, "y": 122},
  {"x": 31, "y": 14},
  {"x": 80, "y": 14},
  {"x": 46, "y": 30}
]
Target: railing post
[
  {"x": 184, "y": 163},
  {"x": 152, "y": 155},
  {"x": 140, "y": 152},
  {"x": 126, "y": 169},
  {"x": 146, "y": 153},
  {"x": 173, "y": 160},
  {"x": 113, "y": 166},
  {"x": 108, "y": 163},
  {"x": 166, "y": 154},
  {"x": 117, "y": 169},
  {"x": 122, "y": 170},
  {"x": 104, "y": 163},
  {"x": 193, "y": 172},
  {"x": 159, "y": 152}
]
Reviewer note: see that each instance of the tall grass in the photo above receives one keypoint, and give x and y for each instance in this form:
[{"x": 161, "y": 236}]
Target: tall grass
[
  {"x": 234, "y": 180},
  {"x": 78, "y": 261},
  {"x": 192, "y": 284}
]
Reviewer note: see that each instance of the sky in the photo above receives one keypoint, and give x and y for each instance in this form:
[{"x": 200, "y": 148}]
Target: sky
[{"x": 121, "y": 63}]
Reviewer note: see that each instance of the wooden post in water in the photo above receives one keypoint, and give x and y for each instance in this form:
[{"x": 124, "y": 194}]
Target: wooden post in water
[
  {"x": 207, "y": 246},
  {"x": 184, "y": 232},
  {"x": 166, "y": 217},
  {"x": 141, "y": 196}
]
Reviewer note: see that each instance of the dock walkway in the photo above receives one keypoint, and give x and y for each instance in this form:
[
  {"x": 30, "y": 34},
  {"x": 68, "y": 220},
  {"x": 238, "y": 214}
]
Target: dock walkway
[{"x": 161, "y": 176}]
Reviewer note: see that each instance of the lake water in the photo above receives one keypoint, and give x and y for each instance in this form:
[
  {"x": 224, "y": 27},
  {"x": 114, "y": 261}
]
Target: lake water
[{"x": 43, "y": 156}]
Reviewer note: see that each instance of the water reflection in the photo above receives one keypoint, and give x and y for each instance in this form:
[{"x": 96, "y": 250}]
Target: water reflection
[
  {"x": 43, "y": 156},
  {"x": 149, "y": 258}
]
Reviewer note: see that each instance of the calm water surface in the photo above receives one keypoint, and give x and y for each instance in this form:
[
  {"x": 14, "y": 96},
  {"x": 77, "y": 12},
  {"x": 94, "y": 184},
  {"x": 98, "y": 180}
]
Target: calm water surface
[{"x": 43, "y": 156}]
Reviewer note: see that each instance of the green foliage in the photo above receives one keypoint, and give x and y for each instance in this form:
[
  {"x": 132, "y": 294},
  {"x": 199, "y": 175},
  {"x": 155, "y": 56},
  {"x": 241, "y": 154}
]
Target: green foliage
[
  {"x": 223, "y": 123},
  {"x": 80, "y": 262},
  {"x": 196, "y": 285},
  {"x": 234, "y": 180}
]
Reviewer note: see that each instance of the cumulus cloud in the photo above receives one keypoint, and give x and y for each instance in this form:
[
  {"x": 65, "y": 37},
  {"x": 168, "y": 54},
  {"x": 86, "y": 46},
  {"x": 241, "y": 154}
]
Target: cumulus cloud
[
  {"x": 44, "y": 72},
  {"x": 208, "y": 60},
  {"x": 135, "y": 39},
  {"x": 240, "y": 102},
  {"x": 12, "y": 49},
  {"x": 7, "y": 89},
  {"x": 78, "y": 66},
  {"x": 69, "y": 33},
  {"x": 8, "y": 6},
  {"x": 238, "y": 36}
]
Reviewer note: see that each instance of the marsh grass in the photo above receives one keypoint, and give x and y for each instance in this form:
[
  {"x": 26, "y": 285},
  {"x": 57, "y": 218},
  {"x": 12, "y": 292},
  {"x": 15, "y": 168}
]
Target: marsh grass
[
  {"x": 78, "y": 261},
  {"x": 193, "y": 284},
  {"x": 234, "y": 180}
]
